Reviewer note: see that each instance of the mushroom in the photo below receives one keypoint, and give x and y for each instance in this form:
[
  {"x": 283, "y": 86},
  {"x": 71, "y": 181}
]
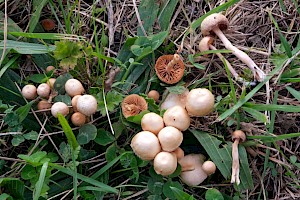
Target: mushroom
[
  {"x": 170, "y": 138},
  {"x": 209, "y": 167},
  {"x": 78, "y": 119},
  {"x": 43, "y": 105},
  {"x": 236, "y": 136},
  {"x": 145, "y": 145},
  {"x": 191, "y": 169},
  {"x": 87, "y": 104},
  {"x": 133, "y": 104},
  {"x": 48, "y": 24},
  {"x": 165, "y": 163},
  {"x": 50, "y": 68},
  {"x": 199, "y": 102},
  {"x": 178, "y": 152},
  {"x": 43, "y": 90},
  {"x": 59, "y": 107},
  {"x": 169, "y": 68},
  {"x": 154, "y": 95},
  {"x": 74, "y": 102},
  {"x": 177, "y": 117},
  {"x": 214, "y": 24},
  {"x": 51, "y": 82},
  {"x": 173, "y": 99},
  {"x": 73, "y": 87},
  {"x": 29, "y": 92},
  {"x": 152, "y": 122}
]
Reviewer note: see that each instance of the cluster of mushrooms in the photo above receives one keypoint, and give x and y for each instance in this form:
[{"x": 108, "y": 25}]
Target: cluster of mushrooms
[{"x": 83, "y": 105}]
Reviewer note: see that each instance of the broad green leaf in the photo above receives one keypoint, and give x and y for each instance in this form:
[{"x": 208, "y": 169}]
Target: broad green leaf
[
  {"x": 5, "y": 196},
  {"x": 111, "y": 152},
  {"x": 11, "y": 25},
  {"x": 213, "y": 194},
  {"x": 27, "y": 48},
  {"x": 17, "y": 140},
  {"x": 223, "y": 159},
  {"x": 166, "y": 13},
  {"x": 23, "y": 111},
  {"x": 148, "y": 10},
  {"x": 113, "y": 100},
  {"x": 60, "y": 82},
  {"x": 104, "y": 137},
  {"x": 256, "y": 114},
  {"x": 32, "y": 135},
  {"x": 13, "y": 186},
  {"x": 168, "y": 192},
  {"x": 176, "y": 89},
  {"x": 28, "y": 172},
  {"x": 8, "y": 64},
  {"x": 35, "y": 16},
  {"x": 39, "y": 184},
  {"x": 137, "y": 118},
  {"x": 294, "y": 92},
  {"x": 34, "y": 159},
  {"x": 155, "y": 187},
  {"x": 86, "y": 179},
  {"x": 63, "y": 98},
  {"x": 87, "y": 132},
  {"x": 180, "y": 194},
  {"x": 38, "y": 78},
  {"x": 68, "y": 131}
]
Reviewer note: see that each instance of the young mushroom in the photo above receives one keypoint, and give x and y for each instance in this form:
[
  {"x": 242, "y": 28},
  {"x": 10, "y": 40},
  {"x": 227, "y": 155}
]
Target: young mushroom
[
  {"x": 133, "y": 104},
  {"x": 87, "y": 104},
  {"x": 192, "y": 173},
  {"x": 173, "y": 99},
  {"x": 59, "y": 107},
  {"x": 169, "y": 68},
  {"x": 29, "y": 92},
  {"x": 165, "y": 163},
  {"x": 152, "y": 122},
  {"x": 209, "y": 167},
  {"x": 178, "y": 152},
  {"x": 177, "y": 117},
  {"x": 214, "y": 24},
  {"x": 43, "y": 90},
  {"x": 78, "y": 119},
  {"x": 199, "y": 102},
  {"x": 154, "y": 95},
  {"x": 237, "y": 136},
  {"x": 73, "y": 87},
  {"x": 43, "y": 105},
  {"x": 145, "y": 145},
  {"x": 48, "y": 24},
  {"x": 170, "y": 138}
]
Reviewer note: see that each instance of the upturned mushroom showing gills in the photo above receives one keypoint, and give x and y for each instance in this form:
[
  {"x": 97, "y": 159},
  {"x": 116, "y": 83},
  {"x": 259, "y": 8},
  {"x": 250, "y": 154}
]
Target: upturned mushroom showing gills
[
  {"x": 133, "y": 104},
  {"x": 213, "y": 25},
  {"x": 169, "y": 68},
  {"x": 237, "y": 136}
]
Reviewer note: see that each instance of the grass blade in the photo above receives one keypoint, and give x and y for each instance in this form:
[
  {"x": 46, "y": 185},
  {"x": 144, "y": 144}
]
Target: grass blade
[
  {"x": 35, "y": 17},
  {"x": 68, "y": 131},
  {"x": 272, "y": 107},
  {"x": 39, "y": 184},
  {"x": 294, "y": 92}
]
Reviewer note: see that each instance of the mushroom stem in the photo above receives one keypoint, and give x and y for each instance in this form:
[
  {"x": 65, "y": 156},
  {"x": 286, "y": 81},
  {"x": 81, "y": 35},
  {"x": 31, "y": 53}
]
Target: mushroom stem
[
  {"x": 175, "y": 59},
  {"x": 257, "y": 72},
  {"x": 232, "y": 71},
  {"x": 235, "y": 163}
]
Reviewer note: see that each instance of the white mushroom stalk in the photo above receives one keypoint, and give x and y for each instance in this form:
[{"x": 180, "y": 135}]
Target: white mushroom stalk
[
  {"x": 237, "y": 136},
  {"x": 213, "y": 24}
]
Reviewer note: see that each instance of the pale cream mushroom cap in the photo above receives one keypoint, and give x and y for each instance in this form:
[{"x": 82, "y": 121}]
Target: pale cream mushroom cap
[
  {"x": 199, "y": 102},
  {"x": 152, "y": 122},
  {"x": 165, "y": 163},
  {"x": 29, "y": 92},
  {"x": 170, "y": 138},
  {"x": 74, "y": 102},
  {"x": 59, "y": 107},
  {"x": 73, "y": 87},
  {"x": 174, "y": 100},
  {"x": 212, "y": 21},
  {"x": 145, "y": 145},
  {"x": 43, "y": 90},
  {"x": 209, "y": 167},
  {"x": 87, "y": 104},
  {"x": 177, "y": 117}
]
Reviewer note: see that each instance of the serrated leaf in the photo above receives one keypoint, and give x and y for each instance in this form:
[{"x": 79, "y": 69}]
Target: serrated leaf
[
  {"x": 65, "y": 151},
  {"x": 213, "y": 194},
  {"x": 223, "y": 159},
  {"x": 32, "y": 135},
  {"x": 104, "y": 137},
  {"x": 17, "y": 140},
  {"x": 87, "y": 132},
  {"x": 256, "y": 114}
]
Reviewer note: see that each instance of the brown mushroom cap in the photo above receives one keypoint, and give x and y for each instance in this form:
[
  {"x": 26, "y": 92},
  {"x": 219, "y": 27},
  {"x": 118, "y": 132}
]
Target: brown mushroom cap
[
  {"x": 133, "y": 104},
  {"x": 213, "y": 21},
  {"x": 172, "y": 73},
  {"x": 205, "y": 42},
  {"x": 238, "y": 134},
  {"x": 154, "y": 95}
]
